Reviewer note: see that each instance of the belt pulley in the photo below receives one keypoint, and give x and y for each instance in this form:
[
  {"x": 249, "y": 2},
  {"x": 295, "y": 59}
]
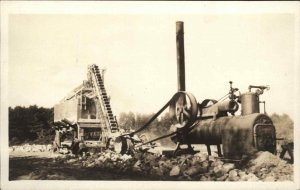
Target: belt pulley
[{"x": 183, "y": 109}]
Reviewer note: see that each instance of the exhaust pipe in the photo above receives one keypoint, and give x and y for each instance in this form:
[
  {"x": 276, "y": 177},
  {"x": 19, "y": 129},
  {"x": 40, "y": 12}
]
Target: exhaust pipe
[{"x": 180, "y": 56}]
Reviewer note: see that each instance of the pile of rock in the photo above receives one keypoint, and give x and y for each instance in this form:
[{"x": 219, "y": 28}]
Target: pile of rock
[
  {"x": 31, "y": 148},
  {"x": 269, "y": 167},
  {"x": 187, "y": 167}
]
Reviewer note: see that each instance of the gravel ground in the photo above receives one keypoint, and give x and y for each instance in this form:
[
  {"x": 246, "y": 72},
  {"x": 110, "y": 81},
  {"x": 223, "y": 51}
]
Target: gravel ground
[{"x": 25, "y": 164}]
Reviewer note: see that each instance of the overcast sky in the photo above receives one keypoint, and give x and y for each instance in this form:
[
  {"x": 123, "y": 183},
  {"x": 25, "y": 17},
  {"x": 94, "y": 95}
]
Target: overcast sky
[{"x": 49, "y": 54}]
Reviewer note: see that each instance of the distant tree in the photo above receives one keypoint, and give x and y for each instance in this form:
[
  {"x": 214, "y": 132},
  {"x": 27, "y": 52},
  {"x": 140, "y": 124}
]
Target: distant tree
[
  {"x": 142, "y": 119},
  {"x": 284, "y": 126},
  {"x": 126, "y": 120},
  {"x": 19, "y": 124},
  {"x": 162, "y": 127},
  {"x": 31, "y": 124}
]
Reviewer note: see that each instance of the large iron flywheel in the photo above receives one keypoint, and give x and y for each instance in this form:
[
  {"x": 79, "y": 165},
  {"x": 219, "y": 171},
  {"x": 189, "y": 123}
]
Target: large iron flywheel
[{"x": 184, "y": 108}]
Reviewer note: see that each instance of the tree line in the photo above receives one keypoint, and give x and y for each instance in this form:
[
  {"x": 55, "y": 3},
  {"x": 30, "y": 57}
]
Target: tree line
[
  {"x": 34, "y": 124},
  {"x": 31, "y": 124}
]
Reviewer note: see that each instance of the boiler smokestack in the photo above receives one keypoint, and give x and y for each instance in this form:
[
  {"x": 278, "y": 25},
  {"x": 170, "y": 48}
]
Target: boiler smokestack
[{"x": 180, "y": 56}]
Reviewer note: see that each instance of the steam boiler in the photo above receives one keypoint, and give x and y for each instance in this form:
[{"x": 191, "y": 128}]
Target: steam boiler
[{"x": 212, "y": 122}]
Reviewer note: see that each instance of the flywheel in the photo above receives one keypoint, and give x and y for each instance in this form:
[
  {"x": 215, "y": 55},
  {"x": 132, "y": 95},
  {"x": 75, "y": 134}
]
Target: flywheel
[{"x": 184, "y": 109}]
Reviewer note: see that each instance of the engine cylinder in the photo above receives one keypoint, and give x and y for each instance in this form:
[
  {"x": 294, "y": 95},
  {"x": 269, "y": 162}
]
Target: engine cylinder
[
  {"x": 250, "y": 103},
  {"x": 228, "y": 106}
]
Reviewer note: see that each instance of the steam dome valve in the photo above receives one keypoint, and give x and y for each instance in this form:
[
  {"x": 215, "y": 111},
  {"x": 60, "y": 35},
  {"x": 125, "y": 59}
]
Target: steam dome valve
[{"x": 232, "y": 96}]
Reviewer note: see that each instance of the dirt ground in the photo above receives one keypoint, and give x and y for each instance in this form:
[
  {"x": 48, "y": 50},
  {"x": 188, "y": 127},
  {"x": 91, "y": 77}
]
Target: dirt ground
[{"x": 46, "y": 166}]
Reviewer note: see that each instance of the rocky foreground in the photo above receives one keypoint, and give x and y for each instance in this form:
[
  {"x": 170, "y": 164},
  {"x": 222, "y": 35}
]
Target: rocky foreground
[{"x": 263, "y": 166}]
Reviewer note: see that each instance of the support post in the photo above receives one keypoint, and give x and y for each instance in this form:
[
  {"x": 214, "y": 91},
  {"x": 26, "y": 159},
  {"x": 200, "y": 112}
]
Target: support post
[{"x": 208, "y": 149}]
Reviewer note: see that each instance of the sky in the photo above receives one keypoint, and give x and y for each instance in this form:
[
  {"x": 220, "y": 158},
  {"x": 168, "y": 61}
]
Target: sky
[{"x": 49, "y": 53}]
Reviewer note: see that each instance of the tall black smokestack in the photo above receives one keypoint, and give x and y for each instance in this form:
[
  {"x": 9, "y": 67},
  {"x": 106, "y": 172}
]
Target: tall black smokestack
[{"x": 180, "y": 56}]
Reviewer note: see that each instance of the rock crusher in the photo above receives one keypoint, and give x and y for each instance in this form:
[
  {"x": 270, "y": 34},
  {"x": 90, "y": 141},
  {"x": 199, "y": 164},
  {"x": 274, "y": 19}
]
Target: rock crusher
[{"x": 84, "y": 118}]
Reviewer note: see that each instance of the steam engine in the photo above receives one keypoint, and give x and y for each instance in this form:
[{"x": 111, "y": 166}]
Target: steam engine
[{"x": 214, "y": 122}]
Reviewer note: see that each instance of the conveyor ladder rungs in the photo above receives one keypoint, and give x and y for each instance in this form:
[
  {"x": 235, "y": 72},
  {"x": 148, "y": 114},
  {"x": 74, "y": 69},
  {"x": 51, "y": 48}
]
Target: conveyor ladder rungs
[{"x": 99, "y": 85}]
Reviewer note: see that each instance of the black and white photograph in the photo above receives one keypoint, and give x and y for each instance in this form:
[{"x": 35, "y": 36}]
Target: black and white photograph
[{"x": 149, "y": 95}]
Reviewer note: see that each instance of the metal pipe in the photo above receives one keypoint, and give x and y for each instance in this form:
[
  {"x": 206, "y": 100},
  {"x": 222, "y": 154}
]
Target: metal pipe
[
  {"x": 180, "y": 56},
  {"x": 267, "y": 87}
]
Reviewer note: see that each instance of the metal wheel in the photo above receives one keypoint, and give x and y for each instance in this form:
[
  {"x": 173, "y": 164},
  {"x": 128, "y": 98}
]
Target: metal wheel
[
  {"x": 184, "y": 108},
  {"x": 122, "y": 145}
]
